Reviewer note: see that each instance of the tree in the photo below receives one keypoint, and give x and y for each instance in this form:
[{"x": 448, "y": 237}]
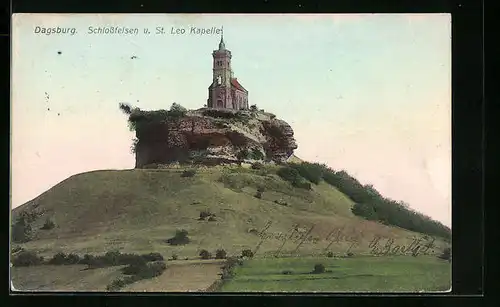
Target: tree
[
  {"x": 126, "y": 108},
  {"x": 21, "y": 231}
]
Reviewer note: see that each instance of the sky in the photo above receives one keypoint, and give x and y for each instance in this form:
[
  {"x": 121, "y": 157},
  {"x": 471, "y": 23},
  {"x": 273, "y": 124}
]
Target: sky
[{"x": 369, "y": 94}]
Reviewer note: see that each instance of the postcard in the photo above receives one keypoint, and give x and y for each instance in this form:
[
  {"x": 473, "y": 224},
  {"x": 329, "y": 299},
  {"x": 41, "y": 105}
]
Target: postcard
[{"x": 272, "y": 153}]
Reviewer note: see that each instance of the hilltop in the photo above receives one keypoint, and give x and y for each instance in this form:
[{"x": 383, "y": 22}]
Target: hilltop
[{"x": 138, "y": 210}]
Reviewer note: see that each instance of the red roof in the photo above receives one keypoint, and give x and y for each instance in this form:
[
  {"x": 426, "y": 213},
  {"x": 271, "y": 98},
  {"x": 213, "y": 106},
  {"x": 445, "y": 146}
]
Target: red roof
[{"x": 236, "y": 84}]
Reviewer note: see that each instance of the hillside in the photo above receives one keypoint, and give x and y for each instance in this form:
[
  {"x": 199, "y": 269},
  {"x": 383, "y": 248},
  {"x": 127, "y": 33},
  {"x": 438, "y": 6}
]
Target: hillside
[{"x": 138, "y": 210}]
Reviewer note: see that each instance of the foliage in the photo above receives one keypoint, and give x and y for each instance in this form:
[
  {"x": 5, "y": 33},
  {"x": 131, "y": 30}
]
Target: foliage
[
  {"x": 257, "y": 165},
  {"x": 287, "y": 272},
  {"x": 152, "y": 257},
  {"x": 254, "y": 108},
  {"x": 188, "y": 173},
  {"x": 291, "y": 175},
  {"x": 310, "y": 171},
  {"x": 138, "y": 118},
  {"x": 180, "y": 238},
  {"x": 212, "y": 218},
  {"x": 63, "y": 259},
  {"x": 204, "y": 214},
  {"x": 21, "y": 230},
  {"x": 369, "y": 203},
  {"x": 228, "y": 268},
  {"x": 255, "y": 154},
  {"x": 319, "y": 268},
  {"x": 49, "y": 224},
  {"x": 220, "y": 254},
  {"x": 125, "y": 108},
  {"x": 26, "y": 258},
  {"x": 114, "y": 258},
  {"x": 329, "y": 254},
  {"x": 136, "y": 272},
  {"x": 258, "y": 195},
  {"x": 247, "y": 253},
  {"x": 204, "y": 254}
]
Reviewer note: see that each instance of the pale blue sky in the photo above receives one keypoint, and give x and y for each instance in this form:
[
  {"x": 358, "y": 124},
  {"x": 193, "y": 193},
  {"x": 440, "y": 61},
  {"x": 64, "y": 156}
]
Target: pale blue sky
[{"x": 367, "y": 93}]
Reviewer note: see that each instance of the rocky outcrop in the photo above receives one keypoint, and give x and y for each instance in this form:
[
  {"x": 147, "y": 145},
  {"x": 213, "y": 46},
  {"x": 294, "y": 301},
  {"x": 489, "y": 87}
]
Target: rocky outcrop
[{"x": 213, "y": 136}]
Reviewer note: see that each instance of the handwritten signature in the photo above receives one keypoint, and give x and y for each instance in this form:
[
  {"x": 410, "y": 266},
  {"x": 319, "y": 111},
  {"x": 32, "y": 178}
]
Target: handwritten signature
[{"x": 378, "y": 246}]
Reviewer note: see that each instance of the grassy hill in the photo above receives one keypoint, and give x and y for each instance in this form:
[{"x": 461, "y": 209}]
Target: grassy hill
[{"x": 138, "y": 210}]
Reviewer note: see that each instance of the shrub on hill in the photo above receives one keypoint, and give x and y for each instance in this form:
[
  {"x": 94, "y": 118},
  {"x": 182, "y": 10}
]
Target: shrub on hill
[
  {"x": 204, "y": 214},
  {"x": 212, "y": 218},
  {"x": 220, "y": 254},
  {"x": 49, "y": 224},
  {"x": 180, "y": 238},
  {"x": 63, "y": 259},
  {"x": 188, "y": 173},
  {"x": 247, "y": 253},
  {"x": 319, "y": 268},
  {"x": 310, "y": 171},
  {"x": 21, "y": 230},
  {"x": 257, "y": 165},
  {"x": 370, "y": 205},
  {"x": 291, "y": 175},
  {"x": 138, "y": 272},
  {"x": 228, "y": 268},
  {"x": 114, "y": 258},
  {"x": 204, "y": 254},
  {"x": 26, "y": 258}
]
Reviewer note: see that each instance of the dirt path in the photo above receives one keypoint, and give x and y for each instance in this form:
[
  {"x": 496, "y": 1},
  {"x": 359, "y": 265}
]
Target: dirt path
[{"x": 181, "y": 277}]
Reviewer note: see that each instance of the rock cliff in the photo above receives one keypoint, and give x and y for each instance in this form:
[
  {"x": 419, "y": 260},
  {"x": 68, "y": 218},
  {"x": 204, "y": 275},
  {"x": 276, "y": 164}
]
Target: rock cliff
[{"x": 210, "y": 136}]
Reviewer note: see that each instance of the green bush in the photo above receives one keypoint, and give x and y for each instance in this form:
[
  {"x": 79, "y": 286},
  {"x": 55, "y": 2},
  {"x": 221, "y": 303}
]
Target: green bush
[
  {"x": 228, "y": 268},
  {"x": 329, "y": 254},
  {"x": 291, "y": 175},
  {"x": 204, "y": 254},
  {"x": 257, "y": 165},
  {"x": 21, "y": 230},
  {"x": 188, "y": 173},
  {"x": 247, "y": 253},
  {"x": 220, "y": 254},
  {"x": 180, "y": 238},
  {"x": 212, "y": 218},
  {"x": 26, "y": 258},
  {"x": 256, "y": 154},
  {"x": 287, "y": 272},
  {"x": 152, "y": 257},
  {"x": 319, "y": 268},
  {"x": 49, "y": 224},
  {"x": 310, "y": 171},
  {"x": 258, "y": 195},
  {"x": 204, "y": 214},
  {"x": 58, "y": 259},
  {"x": 115, "y": 258}
]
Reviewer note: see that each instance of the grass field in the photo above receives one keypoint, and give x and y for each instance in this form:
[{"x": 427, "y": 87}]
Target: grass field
[
  {"x": 180, "y": 276},
  {"x": 357, "y": 274}
]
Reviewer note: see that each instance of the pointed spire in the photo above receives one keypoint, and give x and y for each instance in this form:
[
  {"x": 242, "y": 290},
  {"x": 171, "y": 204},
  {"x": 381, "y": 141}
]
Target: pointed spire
[{"x": 221, "y": 44}]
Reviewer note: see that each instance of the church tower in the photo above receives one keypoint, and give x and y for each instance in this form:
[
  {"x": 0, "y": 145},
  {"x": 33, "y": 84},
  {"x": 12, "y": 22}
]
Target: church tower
[{"x": 225, "y": 91}]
